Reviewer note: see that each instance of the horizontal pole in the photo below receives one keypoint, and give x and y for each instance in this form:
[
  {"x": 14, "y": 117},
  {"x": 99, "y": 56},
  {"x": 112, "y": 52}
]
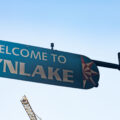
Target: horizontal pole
[{"x": 108, "y": 65}]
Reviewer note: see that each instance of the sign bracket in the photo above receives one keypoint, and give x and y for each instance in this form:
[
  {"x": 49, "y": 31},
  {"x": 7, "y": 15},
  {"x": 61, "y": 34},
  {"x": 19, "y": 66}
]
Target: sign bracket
[{"x": 108, "y": 65}]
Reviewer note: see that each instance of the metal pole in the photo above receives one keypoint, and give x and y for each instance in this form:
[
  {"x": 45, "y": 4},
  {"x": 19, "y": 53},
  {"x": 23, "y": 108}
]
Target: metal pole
[
  {"x": 119, "y": 58},
  {"x": 108, "y": 65}
]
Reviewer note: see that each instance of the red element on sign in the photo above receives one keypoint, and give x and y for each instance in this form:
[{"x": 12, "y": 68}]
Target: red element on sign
[{"x": 88, "y": 72}]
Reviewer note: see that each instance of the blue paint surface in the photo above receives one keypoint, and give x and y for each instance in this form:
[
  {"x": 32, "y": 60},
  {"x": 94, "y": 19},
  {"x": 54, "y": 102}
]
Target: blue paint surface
[{"x": 73, "y": 63}]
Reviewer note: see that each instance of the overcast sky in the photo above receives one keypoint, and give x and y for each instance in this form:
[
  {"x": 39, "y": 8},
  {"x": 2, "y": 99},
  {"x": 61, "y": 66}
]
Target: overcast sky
[{"x": 87, "y": 27}]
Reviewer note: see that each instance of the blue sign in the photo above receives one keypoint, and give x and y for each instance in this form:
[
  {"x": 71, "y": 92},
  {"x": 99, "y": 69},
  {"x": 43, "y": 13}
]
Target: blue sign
[{"x": 48, "y": 66}]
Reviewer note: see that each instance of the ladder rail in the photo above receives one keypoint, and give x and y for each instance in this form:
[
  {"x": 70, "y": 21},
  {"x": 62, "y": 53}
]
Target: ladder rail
[{"x": 28, "y": 108}]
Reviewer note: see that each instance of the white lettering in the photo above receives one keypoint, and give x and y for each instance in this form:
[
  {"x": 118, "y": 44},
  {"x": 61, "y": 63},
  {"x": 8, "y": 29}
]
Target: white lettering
[
  {"x": 52, "y": 74},
  {"x": 10, "y": 66},
  {"x": 24, "y": 50},
  {"x": 7, "y": 52},
  {"x": 66, "y": 75},
  {"x": 35, "y": 56},
  {"x": 39, "y": 70},
  {"x": 22, "y": 69},
  {"x": 54, "y": 55},
  {"x": 63, "y": 61},
  {"x": 2, "y": 48},
  {"x": 13, "y": 51},
  {"x": 44, "y": 56},
  {"x": 1, "y": 60}
]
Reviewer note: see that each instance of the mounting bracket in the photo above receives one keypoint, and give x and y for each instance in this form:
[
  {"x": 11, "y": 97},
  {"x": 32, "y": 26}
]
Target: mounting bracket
[{"x": 108, "y": 65}]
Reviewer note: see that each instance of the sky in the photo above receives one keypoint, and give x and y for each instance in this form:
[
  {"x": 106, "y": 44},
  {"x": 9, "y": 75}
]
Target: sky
[{"x": 89, "y": 27}]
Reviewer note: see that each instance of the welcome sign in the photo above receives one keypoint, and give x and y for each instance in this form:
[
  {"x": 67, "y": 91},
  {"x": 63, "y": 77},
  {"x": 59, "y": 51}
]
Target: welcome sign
[{"x": 35, "y": 64}]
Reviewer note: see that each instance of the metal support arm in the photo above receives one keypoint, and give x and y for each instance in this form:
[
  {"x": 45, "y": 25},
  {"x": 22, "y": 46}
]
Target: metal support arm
[{"x": 108, "y": 65}]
